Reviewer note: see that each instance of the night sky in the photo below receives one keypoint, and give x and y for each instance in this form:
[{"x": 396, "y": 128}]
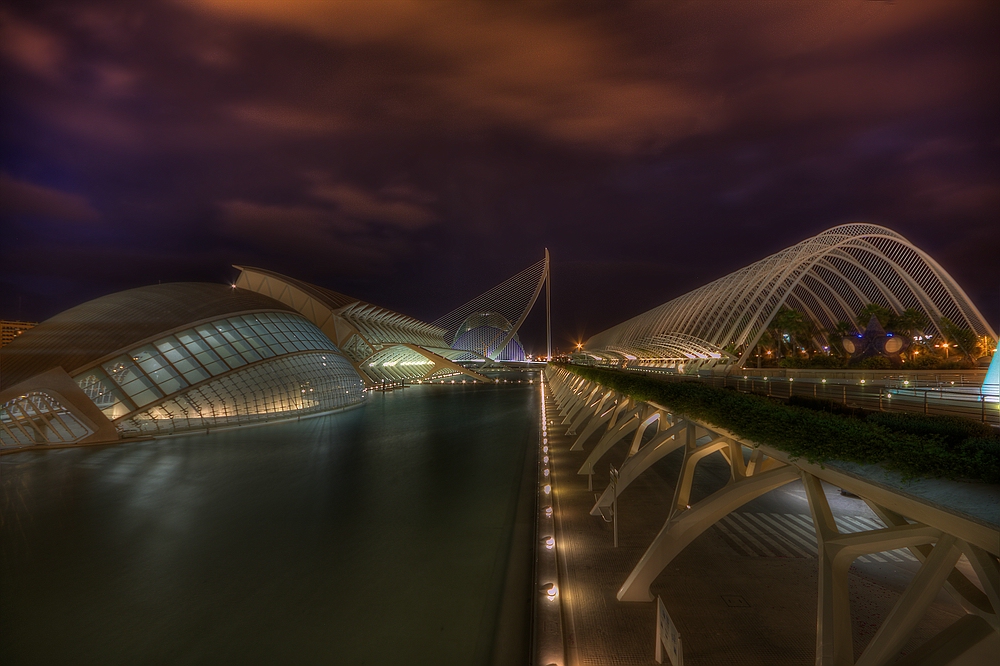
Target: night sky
[{"x": 414, "y": 154}]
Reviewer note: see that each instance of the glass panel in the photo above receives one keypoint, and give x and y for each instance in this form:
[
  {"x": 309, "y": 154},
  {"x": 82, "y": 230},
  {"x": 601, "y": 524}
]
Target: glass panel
[
  {"x": 104, "y": 393},
  {"x": 186, "y": 364},
  {"x": 242, "y": 346},
  {"x": 212, "y": 363},
  {"x": 145, "y": 397},
  {"x": 251, "y": 356},
  {"x": 120, "y": 370},
  {"x": 232, "y": 358},
  {"x": 261, "y": 347},
  {"x": 196, "y": 374},
  {"x": 131, "y": 379},
  {"x": 219, "y": 344},
  {"x": 240, "y": 323},
  {"x": 165, "y": 377},
  {"x": 193, "y": 341}
]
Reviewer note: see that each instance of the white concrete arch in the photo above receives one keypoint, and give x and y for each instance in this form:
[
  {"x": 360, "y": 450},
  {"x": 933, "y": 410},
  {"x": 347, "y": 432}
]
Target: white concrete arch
[{"x": 828, "y": 278}]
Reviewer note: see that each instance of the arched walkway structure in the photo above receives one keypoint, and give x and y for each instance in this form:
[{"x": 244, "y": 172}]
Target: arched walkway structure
[
  {"x": 828, "y": 278},
  {"x": 934, "y": 535}
]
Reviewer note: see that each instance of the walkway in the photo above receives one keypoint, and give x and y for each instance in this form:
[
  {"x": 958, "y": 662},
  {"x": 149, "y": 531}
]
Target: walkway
[{"x": 743, "y": 592}]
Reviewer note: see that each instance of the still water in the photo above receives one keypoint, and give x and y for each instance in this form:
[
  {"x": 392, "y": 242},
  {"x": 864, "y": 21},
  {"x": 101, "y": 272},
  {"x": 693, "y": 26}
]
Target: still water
[{"x": 374, "y": 536}]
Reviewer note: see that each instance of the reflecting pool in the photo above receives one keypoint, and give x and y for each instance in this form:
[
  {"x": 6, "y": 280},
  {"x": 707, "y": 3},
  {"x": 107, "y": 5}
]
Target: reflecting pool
[{"x": 383, "y": 534}]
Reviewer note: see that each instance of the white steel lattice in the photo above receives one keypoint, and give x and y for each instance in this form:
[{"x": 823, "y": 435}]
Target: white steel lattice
[
  {"x": 828, "y": 278},
  {"x": 512, "y": 299}
]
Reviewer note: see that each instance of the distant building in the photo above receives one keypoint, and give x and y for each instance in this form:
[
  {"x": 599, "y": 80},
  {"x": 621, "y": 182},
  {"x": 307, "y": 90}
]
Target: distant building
[
  {"x": 485, "y": 332},
  {"x": 177, "y": 357},
  {"x": 11, "y": 329}
]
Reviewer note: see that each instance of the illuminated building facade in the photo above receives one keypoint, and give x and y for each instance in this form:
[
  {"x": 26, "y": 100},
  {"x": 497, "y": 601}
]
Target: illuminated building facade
[
  {"x": 11, "y": 329},
  {"x": 168, "y": 358},
  {"x": 186, "y": 356}
]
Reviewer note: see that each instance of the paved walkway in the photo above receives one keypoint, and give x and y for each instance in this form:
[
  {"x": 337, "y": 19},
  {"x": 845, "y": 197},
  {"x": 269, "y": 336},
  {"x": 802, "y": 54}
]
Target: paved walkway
[{"x": 743, "y": 592}]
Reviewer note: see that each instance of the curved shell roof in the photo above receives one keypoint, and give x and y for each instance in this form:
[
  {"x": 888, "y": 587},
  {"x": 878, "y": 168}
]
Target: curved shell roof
[
  {"x": 480, "y": 319},
  {"x": 88, "y": 332}
]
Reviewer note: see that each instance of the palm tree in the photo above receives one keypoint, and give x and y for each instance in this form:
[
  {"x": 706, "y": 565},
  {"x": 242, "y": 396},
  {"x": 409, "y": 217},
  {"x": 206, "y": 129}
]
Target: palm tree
[
  {"x": 764, "y": 346},
  {"x": 911, "y": 322},
  {"x": 962, "y": 339},
  {"x": 884, "y": 315},
  {"x": 786, "y": 321},
  {"x": 836, "y": 337},
  {"x": 806, "y": 334}
]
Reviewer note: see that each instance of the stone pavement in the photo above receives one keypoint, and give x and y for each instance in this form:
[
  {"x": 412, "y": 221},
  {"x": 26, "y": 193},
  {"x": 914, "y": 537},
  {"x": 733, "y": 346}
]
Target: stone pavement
[{"x": 731, "y": 601}]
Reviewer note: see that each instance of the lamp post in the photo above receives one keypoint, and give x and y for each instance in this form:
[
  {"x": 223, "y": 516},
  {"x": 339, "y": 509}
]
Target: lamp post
[{"x": 614, "y": 502}]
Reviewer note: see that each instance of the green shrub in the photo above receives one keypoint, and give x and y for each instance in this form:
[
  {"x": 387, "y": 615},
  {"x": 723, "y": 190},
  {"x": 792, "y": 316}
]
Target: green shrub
[
  {"x": 914, "y": 445},
  {"x": 817, "y": 361},
  {"x": 953, "y": 429},
  {"x": 821, "y": 405},
  {"x": 928, "y": 362},
  {"x": 873, "y": 363}
]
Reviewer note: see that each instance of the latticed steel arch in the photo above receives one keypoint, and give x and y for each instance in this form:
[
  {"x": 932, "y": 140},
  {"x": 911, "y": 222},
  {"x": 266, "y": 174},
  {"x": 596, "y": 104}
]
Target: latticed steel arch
[
  {"x": 828, "y": 278},
  {"x": 512, "y": 299}
]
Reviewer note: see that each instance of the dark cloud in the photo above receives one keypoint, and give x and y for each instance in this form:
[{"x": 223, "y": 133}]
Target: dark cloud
[
  {"x": 18, "y": 197},
  {"x": 386, "y": 207},
  {"x": 286, "y": 118},
  {"x": 30, "y": 47},
  {"x": 417, "y": 153}
]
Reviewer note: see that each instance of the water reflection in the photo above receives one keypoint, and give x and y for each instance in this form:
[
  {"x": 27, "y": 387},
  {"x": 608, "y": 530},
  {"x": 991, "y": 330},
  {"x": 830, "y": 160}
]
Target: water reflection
[{"x": 372, "y": 536}]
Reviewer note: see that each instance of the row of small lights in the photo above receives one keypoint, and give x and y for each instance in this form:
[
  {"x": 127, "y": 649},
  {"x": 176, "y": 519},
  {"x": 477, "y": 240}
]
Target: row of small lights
[
  {"x": 551, "y": 590},
  {"x": 862, "y": 382},
  {"x": 476, "y": 381}
]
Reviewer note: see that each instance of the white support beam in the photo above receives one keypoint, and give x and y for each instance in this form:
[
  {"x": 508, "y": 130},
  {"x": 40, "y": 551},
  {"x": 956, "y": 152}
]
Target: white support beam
[
  {"x": 677, "y": 533},
  {"x": 911, "y": 606},
  {"x": 626, "y": 424},
  {"x": 593, "y": 405},
  {"x": 662, "y": 445},
  {"x": 598, "y": 419}
]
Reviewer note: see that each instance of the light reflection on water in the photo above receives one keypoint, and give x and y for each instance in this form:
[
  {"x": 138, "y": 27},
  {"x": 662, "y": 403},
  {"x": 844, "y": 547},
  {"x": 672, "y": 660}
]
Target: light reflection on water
[{"x": 378, "y": 535}]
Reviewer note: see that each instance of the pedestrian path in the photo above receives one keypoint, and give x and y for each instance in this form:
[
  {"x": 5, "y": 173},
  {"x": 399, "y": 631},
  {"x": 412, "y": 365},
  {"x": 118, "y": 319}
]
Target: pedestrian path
[{"x": 793, "y": 535}]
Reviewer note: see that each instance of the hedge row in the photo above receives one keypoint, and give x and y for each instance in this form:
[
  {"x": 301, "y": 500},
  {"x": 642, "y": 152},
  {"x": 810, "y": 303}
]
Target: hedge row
[{"x": 914, "y": 445}]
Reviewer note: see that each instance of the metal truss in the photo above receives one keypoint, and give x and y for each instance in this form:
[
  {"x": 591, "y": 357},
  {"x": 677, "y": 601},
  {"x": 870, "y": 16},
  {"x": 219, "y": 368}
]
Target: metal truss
[
  {"x": 828, "y": 278},
  {"x": 38, "y": 418},
  {"x": 400, "y": 362},
  {"x": 382, "y": 345},
  {"x": 935, "y": 536},
  {"x": 513, "y": 299}
]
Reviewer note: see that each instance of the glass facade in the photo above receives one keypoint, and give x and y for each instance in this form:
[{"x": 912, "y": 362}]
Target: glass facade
[
  {"x": 292, "y": 385},
  {"x": 149, "y": 377}
]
